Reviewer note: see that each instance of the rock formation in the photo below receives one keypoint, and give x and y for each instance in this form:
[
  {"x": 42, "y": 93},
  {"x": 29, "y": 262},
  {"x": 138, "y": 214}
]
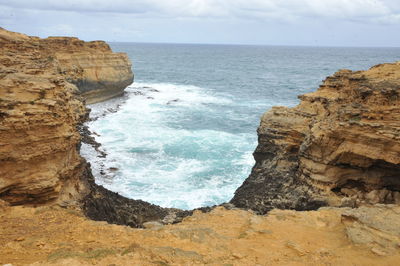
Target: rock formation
[
  {"x": 39, "y": 113},
  {"x": 41, "y": 110},
  {"x": 54, "y": 236},
  {"x": 340, "y": 146},
  {"x": 98, "y": 73}
]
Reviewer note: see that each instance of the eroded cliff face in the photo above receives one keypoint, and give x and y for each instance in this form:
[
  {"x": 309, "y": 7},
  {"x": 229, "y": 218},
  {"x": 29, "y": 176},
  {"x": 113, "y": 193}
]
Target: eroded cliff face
[
  {"x": 340, "y": 146},
  {"x": 98, "y": 73},
  {"x": 41, "y": 84},
  {"x": 39, "y": 113}
]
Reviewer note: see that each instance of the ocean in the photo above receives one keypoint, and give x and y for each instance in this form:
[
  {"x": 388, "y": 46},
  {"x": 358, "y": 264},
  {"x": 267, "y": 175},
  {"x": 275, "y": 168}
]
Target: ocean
[{"x": 184, "y": 133}]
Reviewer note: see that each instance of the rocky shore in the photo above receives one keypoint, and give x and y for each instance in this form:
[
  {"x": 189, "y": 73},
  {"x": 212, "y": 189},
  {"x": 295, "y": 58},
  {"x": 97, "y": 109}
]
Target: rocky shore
[
  {"x": 44, "y": 84},
  {"x": 338, "y": 149}
]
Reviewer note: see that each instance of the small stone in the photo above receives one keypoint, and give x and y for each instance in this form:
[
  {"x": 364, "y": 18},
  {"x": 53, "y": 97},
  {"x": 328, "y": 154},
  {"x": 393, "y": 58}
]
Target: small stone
[
  {"x": 348, "y": 191},
  {"x": 396, "y": 197},
  {"x": 348, "y": 202},
  {"x": 20, "y": 239},
  {"x": 268, "y": 232},
  {"x": 40, "y": 244},
  {"x": 296, "y": 248},
  {"x": 372, "y": 196},
  {"x": 379, "y": 252},
  {"x": 153, "y": 225},
  {"x": 237, "y": 255}
]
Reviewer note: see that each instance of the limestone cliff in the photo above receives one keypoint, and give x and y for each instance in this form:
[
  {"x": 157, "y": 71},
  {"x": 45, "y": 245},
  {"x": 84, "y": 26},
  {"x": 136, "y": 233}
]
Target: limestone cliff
[
  {"x": 340, "y": 146},
  {"x": 40, "y": 110},
  {"x": 39, "y": 113},
  {"x": 98, "y": 73}
]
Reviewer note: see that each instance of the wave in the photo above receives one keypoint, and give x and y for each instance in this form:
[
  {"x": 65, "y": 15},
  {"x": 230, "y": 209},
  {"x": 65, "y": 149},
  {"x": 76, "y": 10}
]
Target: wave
[{"x": 172, "y": 145}]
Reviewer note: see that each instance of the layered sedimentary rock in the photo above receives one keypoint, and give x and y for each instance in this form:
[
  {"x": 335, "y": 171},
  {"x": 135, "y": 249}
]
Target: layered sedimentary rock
[
  {"x": 41, "y": 113},
  {"x": 41, "y": 81},
  {"x": 340, "y": 146},
  {"x": 98, "y": 73}
]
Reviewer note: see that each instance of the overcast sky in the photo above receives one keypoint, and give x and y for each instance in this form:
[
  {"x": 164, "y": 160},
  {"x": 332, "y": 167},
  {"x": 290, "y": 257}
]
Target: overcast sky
[{"x": 270, "y": 22}]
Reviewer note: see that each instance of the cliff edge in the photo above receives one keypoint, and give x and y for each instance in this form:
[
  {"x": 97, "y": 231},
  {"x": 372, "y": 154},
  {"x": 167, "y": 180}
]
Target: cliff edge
[
  {"x": 41, "y": 108},
  {"x": 98, "y": 73},
  {"x": 39, "y": 114},
  {"x": 92, "y": 67},
  {"x": 42, "y": 82},
  {"x": 340, "y": 146}
]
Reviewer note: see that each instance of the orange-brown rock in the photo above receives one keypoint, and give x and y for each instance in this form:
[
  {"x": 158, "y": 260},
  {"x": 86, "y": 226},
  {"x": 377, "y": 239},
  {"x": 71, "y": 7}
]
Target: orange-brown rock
[
  {"x": 39, "y": 113},
  {"x": 41, "y": 110},
  {"x": 98, "y": 73},
  {"x": 54, "y": 236},
  {"x": 40, "y": 80},
  {"x": 340, "y": 146}
]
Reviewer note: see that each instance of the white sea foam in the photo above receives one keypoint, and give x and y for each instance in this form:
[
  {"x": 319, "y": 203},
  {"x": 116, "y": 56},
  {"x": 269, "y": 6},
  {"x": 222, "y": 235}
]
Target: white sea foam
[{"x": 166, "y": 150}]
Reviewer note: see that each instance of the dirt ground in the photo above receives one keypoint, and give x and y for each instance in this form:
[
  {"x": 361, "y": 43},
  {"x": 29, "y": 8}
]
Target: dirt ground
[{"x": 56, "y": 236}]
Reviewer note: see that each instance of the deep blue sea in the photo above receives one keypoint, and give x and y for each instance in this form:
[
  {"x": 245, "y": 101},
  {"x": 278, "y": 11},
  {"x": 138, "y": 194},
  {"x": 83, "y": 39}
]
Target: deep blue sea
[{"x": 185, "y": 132}]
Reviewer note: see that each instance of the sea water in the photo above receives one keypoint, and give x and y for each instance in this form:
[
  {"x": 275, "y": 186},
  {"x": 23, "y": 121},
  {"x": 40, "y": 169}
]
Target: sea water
[{"x": 184, "y": 133}]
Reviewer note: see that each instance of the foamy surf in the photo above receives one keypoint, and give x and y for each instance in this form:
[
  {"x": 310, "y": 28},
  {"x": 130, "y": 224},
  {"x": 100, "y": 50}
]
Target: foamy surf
[{"x": 166, "y": 146}]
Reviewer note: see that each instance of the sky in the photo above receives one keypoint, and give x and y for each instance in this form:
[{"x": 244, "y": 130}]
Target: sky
[{"x": 261, "y": 22}]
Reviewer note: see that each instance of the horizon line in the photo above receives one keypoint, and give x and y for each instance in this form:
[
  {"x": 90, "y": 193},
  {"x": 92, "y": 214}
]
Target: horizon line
[{"x": 250, "y": 44}]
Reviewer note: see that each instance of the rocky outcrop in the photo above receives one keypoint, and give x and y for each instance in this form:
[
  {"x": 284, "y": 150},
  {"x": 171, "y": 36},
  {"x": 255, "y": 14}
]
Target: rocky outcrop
[
  {"x": 92, "y": 67},
  {"x": 377, "y": 227},
  {"x": 98, "y": 73},
  {"x": 55, "y": 236},
  {"x": 39, "y": 113},
  {"x": 340, "y": 146},
  {"x": 101, "y": 204},
  {"x": 41, "y": 84}
]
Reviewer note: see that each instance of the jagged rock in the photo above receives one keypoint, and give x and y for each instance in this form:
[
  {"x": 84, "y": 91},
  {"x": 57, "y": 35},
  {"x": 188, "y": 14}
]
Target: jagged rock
[
  {"x": 341, "y": 141},
  {"x": 39, "y": 113},
  {"x": 41, "y": 116},
  {"x": 153, "y": 225},
  {"x": 375, "y": 226},
  {"x": 97, "y": 72},
  {"x": 101, "y": 204}
]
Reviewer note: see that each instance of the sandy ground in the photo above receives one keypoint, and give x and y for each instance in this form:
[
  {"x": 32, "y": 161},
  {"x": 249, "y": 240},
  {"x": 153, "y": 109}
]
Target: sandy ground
[{"x": 51, "y": 235}]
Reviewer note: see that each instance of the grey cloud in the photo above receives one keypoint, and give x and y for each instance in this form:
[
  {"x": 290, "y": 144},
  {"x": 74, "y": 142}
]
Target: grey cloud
[
  {"x": 306, "y": 22},
  {"x": 257, "y": 9},
  {"x": 114, "y": 6}
]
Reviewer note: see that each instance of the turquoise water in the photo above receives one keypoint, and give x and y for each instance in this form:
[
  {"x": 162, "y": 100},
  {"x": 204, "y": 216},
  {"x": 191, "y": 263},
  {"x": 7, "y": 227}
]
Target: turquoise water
[{"x": 184, "y": 134}]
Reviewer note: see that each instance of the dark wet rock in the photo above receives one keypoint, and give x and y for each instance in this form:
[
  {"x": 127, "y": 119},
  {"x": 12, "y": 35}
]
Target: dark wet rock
[
  {"x": 138, "y": 93},
  {"x": 102, "y": 204},
  {"x": 172, "y": 101},
  {"x": 86, "y": 137}
]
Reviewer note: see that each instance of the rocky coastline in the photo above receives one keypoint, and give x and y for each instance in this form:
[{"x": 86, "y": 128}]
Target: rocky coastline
[
  {"x": 339, "y": 147},
  {"x": 335, "y": 156}
]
